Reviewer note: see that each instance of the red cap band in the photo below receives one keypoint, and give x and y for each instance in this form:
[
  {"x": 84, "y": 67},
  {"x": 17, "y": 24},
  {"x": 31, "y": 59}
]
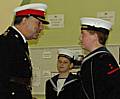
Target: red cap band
[{"x": 30, "y": 11}]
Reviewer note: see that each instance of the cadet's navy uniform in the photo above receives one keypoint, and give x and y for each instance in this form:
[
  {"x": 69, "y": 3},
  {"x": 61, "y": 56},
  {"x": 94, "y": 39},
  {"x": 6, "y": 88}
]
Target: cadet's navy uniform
[
  {"x": 70, "y": 90},
  {"x": 100, "y": 75},
  {"x": 15, "y": 66}
]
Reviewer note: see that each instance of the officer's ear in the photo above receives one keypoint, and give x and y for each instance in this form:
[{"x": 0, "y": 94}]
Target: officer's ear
[
  {"x": 24, "y": 20},
  {"x": 71, "y": 65},
  {"x": 95, "y": 35}
]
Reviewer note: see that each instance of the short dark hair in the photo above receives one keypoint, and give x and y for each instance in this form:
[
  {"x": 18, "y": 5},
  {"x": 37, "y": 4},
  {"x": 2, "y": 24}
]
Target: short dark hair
[
  {"x": 18, "y": 19},
  {"x": 66, "y": 56},
  {"x": 101, "y": 36}
]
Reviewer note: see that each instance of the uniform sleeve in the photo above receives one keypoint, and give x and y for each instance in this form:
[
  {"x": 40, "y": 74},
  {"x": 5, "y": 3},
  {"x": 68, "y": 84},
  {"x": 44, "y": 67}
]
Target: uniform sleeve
[
  {"x": 108, "y": 71},
  {"x": 3, "y": 58},
  {"x": 49, "y": 91},
  {"x": 78, "y": 91},
  {"x": 108, "y": 65}
]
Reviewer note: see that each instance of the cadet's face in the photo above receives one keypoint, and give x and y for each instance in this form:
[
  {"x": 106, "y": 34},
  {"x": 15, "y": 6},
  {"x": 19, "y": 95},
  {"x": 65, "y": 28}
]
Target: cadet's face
[
  {"x": 34, "y": 27},
  {"x": 86, "y": 39},
  {"x": 63, "y": 65}
]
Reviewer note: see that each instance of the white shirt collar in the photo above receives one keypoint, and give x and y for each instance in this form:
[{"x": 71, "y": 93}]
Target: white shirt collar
[{"x": 20, "y": 34}]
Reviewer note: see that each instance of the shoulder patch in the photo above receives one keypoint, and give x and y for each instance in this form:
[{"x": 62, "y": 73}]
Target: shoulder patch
[{"x": 113, "y": 71}]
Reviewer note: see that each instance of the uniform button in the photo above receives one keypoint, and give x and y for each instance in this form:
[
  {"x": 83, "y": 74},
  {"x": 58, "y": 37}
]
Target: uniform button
[
  {"x": 16, "y": 36},
  {"x": 30, "y": 68},
  {"x": 13, "y": 93},
  {"x": 25, "y": 59}
]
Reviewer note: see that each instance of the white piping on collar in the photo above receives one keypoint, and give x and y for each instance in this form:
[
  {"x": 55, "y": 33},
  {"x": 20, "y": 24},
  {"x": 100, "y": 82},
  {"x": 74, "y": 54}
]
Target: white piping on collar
[
  {"x": 20, "y": 34},
  {"x": 54, "y": 86},
  {"x": 69, "y": 82},
  {"x": 92, "y": 79},
  {"x": 91, "y": 72},
  {"x": 93, "y": 55}
]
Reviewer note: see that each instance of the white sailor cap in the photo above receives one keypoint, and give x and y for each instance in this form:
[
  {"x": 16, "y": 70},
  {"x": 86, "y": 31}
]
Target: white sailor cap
[
  {"x": 95, "y": 22},
  {"x": 67, "y": 52},
  {"x": 35, "y": 9}
]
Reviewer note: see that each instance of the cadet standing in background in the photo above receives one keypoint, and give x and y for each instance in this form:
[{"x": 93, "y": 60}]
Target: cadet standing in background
[
  {"x": 100, "y": 73},
  {"x": 64, "y": 85},
  {"x": 15, "y": 64}
]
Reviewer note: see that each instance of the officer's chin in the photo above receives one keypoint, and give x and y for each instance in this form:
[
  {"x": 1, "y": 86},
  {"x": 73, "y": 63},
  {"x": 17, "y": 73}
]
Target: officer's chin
[
  {"x": 32, "y": 38},
  {"x": 36, "y": 36}
]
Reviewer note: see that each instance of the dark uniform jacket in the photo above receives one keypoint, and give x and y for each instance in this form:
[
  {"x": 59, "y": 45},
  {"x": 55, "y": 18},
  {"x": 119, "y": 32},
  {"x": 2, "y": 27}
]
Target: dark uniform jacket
[
  {"x": 70, "y": 90},
  {"x": 15, "y": 65},
  {"x": 100, "y": 75}
]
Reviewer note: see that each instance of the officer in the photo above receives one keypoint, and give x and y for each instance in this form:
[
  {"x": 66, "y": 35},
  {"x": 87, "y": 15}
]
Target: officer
[
  {"x": 15, "y": 64},
  {"x": 100, "y": 73}
]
